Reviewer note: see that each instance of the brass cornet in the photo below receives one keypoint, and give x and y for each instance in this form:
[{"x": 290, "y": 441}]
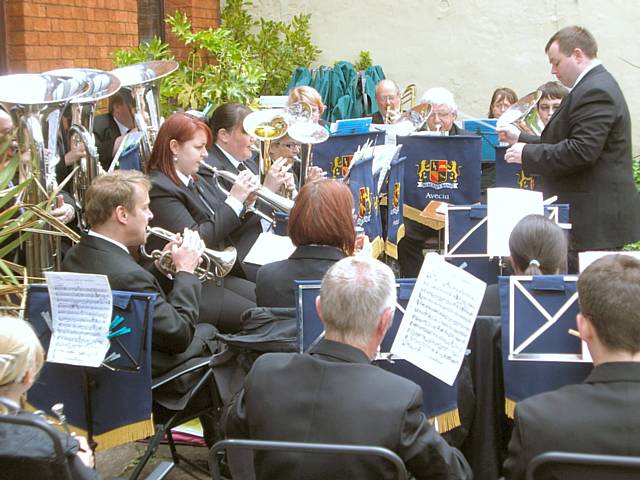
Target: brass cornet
[
  {"x": 215, "y": 264},
  {"x": 274, "y": 200}
]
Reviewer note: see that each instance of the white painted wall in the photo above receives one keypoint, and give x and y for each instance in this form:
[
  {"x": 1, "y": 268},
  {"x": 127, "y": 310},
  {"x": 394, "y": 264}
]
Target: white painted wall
[{"x": 470, "y": 46}]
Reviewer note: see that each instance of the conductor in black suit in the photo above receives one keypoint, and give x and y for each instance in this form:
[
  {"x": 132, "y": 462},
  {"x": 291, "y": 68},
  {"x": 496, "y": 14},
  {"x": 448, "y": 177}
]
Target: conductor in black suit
[
  {"x": 599, "y": 416},
  {"x": 584, "y": 153},
  {"x": 181, "y": 199},
  {"x": 232, "y": 151},
  {"x": 321, "y": 227},
  {"x": 335, "y": 395}
]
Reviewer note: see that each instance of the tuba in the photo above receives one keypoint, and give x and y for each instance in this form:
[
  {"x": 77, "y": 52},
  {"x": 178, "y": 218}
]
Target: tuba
[
  {"x": 35, "y": 103},
  {"x": 275, "y": 201},
  {"x": 143, "y": 80},
  {"x": 101, "y": 85},
  {"x": 524, "y": 114},
  {"x": 215, "y": 264}
]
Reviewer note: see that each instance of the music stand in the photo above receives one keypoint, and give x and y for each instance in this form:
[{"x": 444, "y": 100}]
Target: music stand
[{"x": 110, "y": 405}]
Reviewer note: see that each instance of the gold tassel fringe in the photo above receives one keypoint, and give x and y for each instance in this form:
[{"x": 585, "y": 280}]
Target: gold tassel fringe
[
  {"x": 447, "y": 421},
  {"x": 510, "y": 407}
]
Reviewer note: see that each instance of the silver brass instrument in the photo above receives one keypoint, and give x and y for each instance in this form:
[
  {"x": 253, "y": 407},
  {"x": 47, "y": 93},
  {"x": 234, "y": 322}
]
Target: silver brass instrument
[
  {"x": 215, "y": 263},
  {"x": 524, "y": 114},
  {"x": 58, "y": 411},
  {"x": 143, "y": 80},
  {"x": 101, "y": 85},
  {"x": 265, "y": 125},
  {"x": 308, "y": 133},
  {"x": 35, "y": 103},
  {"x": 274, "y": 200}
]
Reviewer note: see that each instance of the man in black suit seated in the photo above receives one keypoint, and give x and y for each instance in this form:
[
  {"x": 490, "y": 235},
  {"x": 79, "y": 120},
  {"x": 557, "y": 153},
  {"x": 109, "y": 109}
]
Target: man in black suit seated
[
  {"x": 388, "y": 101},
  {"x": 109, "y": 129},
  {"x": 335, "y": 395},
  {"x": 599, "y": 416},
  {"x": 118, "y": 213},
  {"x": 584, "y": 154},
  {"x": 418, "y": 237}
]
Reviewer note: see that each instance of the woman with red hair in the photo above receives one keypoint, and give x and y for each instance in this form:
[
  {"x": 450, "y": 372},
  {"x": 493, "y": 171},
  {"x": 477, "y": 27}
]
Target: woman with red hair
[
  {"x": 179, "y": 200},
  {"x": 321, "y": 227}
]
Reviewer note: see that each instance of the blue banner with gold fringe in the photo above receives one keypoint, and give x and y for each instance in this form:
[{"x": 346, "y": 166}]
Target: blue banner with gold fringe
[
  {"x": 334, "y": 156},
  {"x": 440, "y": 168},
  {"x": 395, "y": 206},
  {"x": 366, "y": 203}
]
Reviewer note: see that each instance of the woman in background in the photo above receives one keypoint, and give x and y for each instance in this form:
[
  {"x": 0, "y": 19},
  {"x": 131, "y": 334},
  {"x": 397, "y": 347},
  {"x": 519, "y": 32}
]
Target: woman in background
[
  {"x": 501, "y": 100},
  {"x": 21, "y": 358},
  {"x": 322, "y": 229}
]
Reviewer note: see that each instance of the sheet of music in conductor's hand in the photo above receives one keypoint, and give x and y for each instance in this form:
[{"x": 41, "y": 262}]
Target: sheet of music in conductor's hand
[{"x": 436, "y": 327}]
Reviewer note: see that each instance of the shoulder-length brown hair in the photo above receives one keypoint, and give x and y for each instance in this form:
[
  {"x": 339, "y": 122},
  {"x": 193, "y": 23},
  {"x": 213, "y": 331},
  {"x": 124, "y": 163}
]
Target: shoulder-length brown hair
[
  {"x": 499, "y": 94},
  {"x": 228, "y": 116},
  {"x": 323, "y": 215},
  {"x": 181, "y": 127}
]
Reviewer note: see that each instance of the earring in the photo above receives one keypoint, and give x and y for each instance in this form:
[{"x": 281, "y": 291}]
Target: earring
[{"x": 175, "y": 158}]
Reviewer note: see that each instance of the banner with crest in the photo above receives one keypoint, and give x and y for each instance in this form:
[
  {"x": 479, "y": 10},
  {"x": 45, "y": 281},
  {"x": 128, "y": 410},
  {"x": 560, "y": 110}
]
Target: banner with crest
[
  {"x": 366, "y": 203},
  {"x": 395, "y": 205},
  {"x": 334, "y": 156},
  {"x": 440, "y": 168},
  {"x": 510, "y": 174}
]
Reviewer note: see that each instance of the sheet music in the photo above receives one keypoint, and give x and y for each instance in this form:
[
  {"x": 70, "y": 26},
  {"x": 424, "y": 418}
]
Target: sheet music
[
  {"x": 505, "y": 208},
  {"x": 81, "y": 306},
  {"x": 587, "y": 258},
  {"x": 270, "y": 248},
  {"x": 436, "y": 327}
]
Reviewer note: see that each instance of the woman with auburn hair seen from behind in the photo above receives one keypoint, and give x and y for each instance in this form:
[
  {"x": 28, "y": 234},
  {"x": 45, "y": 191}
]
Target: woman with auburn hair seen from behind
[
  {"x": 322, "y": 229},
  {"x": 21, "y": 358},
  {"x": 179, "y": 200}
]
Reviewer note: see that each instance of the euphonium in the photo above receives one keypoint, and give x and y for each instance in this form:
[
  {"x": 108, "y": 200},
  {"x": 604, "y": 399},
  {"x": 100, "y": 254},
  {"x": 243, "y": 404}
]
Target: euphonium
[
  {"x": 35, "y": 103},
  {"x": 274, "y": 200},
  {"x": 308, "y": 133},
  {"x": 524, "y": 114},
  {"x": 143, "y": 80},
  {"x": 102, "y": 85},
  {"x": 215, "y": 263}
]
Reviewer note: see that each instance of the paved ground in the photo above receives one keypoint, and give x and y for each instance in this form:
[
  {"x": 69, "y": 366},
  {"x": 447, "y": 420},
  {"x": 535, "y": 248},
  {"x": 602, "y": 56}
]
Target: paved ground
[{"x": 118, "y": 463}]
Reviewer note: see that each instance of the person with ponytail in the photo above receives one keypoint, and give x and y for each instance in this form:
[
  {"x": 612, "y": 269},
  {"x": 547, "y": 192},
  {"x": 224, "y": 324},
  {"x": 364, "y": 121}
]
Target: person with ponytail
[
  {"x": 537, "y": 246},
  {"x": 21, "y": 358}
]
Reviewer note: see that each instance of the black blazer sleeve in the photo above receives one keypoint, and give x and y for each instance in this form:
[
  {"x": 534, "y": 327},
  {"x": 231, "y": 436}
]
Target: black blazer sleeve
[
  {"x": 175, "y": 208},
  {"x": 105, "y": 131}
]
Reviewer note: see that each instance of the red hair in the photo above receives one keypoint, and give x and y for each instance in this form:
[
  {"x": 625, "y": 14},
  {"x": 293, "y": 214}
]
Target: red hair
[
  {"x": 182, "y": 128},
  {"x": 323, "y": 215}
]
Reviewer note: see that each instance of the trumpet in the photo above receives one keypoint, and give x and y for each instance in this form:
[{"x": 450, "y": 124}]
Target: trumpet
[
  {"x": 275, "y": 201},
  {"x": 215, "y": 263}
]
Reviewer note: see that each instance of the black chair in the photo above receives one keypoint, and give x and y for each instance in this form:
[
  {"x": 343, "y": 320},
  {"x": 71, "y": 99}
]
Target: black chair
[
  {"x": 167, "y": 419},
  {"x": 19, "y": 467},
  {"x": 568, "y": 465},
  {"x": 318, "y": 448}
]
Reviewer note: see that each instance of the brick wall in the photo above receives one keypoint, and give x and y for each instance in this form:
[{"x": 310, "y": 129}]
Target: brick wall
[
  {"x": 202, "y": 14},
  {"x": 47, "y": 34}
]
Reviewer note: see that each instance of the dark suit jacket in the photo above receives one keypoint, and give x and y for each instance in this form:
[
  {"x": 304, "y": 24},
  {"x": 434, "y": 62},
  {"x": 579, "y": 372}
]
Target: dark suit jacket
[
  {"x": 335, "y": 395},
  {"x": 105, "y": 130},
  {"x": 377, "y": 118},
  {"x": 274, "y": 284},
  {"x": 598, "y": 416},
  {"x": 175, "y": 314},
  {"x": 585, "y": 158}
]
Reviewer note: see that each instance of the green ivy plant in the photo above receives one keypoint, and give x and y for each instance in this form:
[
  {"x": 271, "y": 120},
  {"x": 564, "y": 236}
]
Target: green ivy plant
[{"x": 279, "y": 47}]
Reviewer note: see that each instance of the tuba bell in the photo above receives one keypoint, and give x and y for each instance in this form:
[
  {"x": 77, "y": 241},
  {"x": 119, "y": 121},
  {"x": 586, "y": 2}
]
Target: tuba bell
[
  {"x": 101, "y": 85},
  {"x": 35, "y": 103},
  {"x": 143, "y": 80},
  {"x": 524, "y": 114}
]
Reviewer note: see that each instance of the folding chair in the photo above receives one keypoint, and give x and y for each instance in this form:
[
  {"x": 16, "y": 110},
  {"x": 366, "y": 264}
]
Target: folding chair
[
  {"x": 18, "y": 467},
  {"x": 568, "y": 465},
  {"x": 317, "y": 448}
]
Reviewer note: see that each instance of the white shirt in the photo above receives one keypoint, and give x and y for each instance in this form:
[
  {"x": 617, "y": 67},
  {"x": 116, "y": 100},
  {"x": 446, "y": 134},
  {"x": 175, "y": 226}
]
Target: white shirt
[
  {"x": 594, "y": 63},
  {"x": 121, "y": 127},
  {"x": 108, "y": 239}
]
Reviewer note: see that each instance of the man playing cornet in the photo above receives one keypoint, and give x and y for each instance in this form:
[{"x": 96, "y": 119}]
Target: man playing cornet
[
  {"x": 118, "y": 213},
  {"x": 388, "y": 100}
]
